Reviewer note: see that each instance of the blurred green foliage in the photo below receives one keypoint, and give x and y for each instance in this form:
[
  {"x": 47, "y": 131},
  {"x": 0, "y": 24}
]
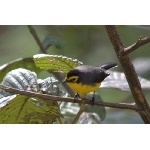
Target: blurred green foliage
[{"x": 89, "y": 44}]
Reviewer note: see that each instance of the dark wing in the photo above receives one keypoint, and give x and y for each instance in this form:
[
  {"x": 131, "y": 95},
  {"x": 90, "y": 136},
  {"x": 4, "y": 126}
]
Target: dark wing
[
  {"x": 101, "y": 72},
  {"x": 99, "y": 75}
]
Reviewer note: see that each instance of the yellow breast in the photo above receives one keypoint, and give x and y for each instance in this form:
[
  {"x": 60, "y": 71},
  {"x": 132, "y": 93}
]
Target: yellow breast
[{"x": 83, "y": 88}]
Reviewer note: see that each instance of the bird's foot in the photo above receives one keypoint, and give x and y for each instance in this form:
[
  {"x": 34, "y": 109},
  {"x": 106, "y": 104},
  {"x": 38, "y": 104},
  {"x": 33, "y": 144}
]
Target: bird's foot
[
  {"x": 76, "y": 96},
  {"x": 93, "y": 99}
]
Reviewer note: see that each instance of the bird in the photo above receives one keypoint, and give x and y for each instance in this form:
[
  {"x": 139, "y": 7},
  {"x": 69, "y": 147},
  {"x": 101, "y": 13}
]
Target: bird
[{"x": 84, "y": 79}]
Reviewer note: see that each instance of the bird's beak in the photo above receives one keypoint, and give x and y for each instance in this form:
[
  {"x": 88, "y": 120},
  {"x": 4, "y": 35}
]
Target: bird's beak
[{"x": 63, "y": 81}]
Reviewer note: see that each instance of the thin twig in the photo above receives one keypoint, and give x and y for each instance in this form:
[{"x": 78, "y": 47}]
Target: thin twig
[
  {"x": 81, "y": 110},
  {"x": 130, "y": 106},
  {"x": 141, "y": 41},
  {"x": 33, "y": 32},
  {"x": 130, "y": 73}
]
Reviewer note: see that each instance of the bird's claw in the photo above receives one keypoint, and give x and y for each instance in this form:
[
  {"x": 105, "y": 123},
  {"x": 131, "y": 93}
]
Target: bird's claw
[
  {"x": 92, "y": 100},
  {"x": 76, "y": 96}
]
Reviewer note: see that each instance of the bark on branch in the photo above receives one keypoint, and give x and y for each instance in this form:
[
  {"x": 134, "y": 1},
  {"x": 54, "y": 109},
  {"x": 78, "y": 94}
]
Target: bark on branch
[
  {"x": 141, "y": 41},
  {"x": 129, "y": 71},
  {"x": 130, "y": 106}
]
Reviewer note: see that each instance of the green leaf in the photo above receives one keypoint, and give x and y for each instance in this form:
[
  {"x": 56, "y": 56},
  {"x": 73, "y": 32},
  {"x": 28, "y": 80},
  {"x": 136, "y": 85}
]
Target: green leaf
[
  {"x": 22, "y": 109},
  {"x": 26, "y": 63},
  {"x": 55, "y": 62},
  {"x": 21, "y": 79}
]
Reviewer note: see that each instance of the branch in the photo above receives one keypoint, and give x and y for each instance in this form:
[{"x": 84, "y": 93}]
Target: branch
[
  {"x": 131, "y": 106},
  {"x": 130, "y": 73},
  {"x": 141, "y": 41},
  {"x": 34, "y": 34}
]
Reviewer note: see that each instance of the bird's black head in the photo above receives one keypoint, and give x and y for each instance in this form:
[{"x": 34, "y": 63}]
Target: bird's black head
[{"x": 72, "y": 76}]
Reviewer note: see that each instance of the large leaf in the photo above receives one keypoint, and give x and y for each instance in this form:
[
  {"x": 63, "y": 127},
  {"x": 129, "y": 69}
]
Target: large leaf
[
  {"x": 55, "y": 62},
  {"x": 118, "y": 80},
  {"x": 20, "y": 78},
  {"x": 28, "y": 110},
  {"x": 22, "y": 109},
  {"x": 18, "y": 63}
]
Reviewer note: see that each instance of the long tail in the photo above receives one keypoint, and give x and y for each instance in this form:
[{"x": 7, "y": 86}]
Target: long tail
[{"x": 108, "y": 65}]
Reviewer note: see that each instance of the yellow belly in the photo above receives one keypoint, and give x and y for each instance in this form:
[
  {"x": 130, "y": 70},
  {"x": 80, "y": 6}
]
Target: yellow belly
[{"x": 82, "y": 88}]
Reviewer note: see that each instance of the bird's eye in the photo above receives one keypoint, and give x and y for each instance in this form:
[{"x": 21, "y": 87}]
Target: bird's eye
[{"x": 73, "y": 79}]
